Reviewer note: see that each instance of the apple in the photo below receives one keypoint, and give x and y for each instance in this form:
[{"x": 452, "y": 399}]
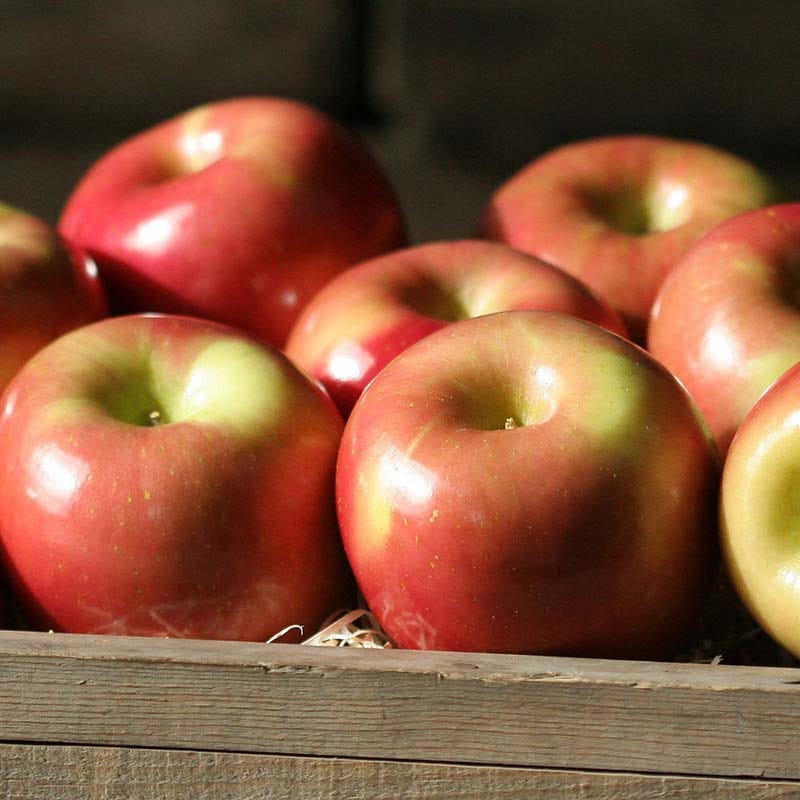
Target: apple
[
  {"x": 618, "y": 211},
  {"x": 46, "y": 288},
  {"x": 237, "y": 211},
  {"x": 169, "y": 476},
  {"x": 727, "y": 319},
  {"x": 759, "y": 511},
  {"x": 527, "y": 482},
  {"x": 368, "y": 314}
]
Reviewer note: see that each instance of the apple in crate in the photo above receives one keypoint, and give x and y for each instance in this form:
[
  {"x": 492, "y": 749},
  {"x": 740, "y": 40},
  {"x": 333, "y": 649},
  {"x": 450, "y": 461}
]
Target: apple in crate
[
  {"x": 727, "y": 319},
  {"x": 760, "y": 511},
  {"x": 527, "y": 482},
  {"x": 169, "y": 476},
  {"x": 46, "y": 288},
  {"x": 618, "y": 211},
  {"x": 367, "y": 315},
  {"x": 238, "y": 211}
]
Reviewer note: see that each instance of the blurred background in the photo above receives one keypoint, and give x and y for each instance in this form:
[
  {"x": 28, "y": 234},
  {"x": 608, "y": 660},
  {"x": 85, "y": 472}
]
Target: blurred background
[{"x": 452, "y": 95}]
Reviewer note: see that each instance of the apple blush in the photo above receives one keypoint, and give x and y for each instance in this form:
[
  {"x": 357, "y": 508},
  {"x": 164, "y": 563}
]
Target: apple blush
[
  {"x": 368, "y": 314},
  {"x": 169, "y": 476},
  {"x": 236, "y": 211},
  {"x": 619, "y": 211},
  {"x": 527, "y": 482}
]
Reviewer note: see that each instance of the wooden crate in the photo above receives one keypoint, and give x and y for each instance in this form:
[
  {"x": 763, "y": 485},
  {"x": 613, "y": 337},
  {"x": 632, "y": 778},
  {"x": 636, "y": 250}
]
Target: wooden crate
[{"x": 119, "y": 717}]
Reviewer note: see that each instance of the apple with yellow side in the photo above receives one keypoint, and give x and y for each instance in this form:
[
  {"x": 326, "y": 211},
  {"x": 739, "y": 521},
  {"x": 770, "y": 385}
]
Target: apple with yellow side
[
  {"x": 727, "y": 319},
  {"x": 368, "y": 314},
  {"x": 527, "y": 482},
  {"x": 619, "y": 211},
  {"x": 169, "y": 476}
]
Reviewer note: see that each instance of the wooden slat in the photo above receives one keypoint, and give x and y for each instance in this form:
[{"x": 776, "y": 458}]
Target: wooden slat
[
  {"x": 60, "y": 772},
  {"x": 460, "y": 708}
]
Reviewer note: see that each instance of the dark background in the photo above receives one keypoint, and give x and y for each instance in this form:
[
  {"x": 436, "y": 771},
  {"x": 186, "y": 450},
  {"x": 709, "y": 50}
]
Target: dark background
[{"x": 452, "y": 95}]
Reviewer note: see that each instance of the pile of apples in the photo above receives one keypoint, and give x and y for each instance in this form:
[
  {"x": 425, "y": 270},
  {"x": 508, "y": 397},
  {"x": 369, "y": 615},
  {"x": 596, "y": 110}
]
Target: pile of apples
[{"x": 235, "y": 395}]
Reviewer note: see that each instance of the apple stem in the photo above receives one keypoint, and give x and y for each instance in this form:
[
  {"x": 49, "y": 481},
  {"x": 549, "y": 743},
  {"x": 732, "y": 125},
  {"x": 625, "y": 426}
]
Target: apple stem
[
  {"x": 510, "y": 424},
  {"x": 155, "y": 417}
]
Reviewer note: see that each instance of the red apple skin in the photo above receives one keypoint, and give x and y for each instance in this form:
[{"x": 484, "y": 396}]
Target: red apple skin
[
  {"x": 586, "y": 529},
  {"x": 368, "y": 314},
  {"x": 220, "y": 524},
  {"x": 759, "y": 511},
  {"x": 46, "y": 288},
  {"x": 727, "y": 319},
  {"x": 237, "y": 211},
  {"x": 618, "y": 212}
]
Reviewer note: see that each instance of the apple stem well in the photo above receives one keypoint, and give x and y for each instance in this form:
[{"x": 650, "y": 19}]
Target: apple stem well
[
  {"x": 638, "y": 211},
  {"x": 431, "y": 298},
  {"x": 135, "y": 400}
]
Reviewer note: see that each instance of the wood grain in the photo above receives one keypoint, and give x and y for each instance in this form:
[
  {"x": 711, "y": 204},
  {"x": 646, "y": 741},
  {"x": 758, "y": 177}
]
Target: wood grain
[
  {"x": 461, "y": 708},
  {"x": 58, "y": 772}
]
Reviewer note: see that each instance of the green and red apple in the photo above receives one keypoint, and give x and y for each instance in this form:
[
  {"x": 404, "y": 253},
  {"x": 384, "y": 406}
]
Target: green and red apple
[
  {"x": 618, "y": 211},
  {"x": 237, "y": 211},
  {"x": 727, "y": 319},
  {"x": 368, "y": 314},
  {"x": 169, "y": 476},
  {"x": 760, "y": 511},
  {"x": 46, "y": 288},
  {"x": 527, "y": 482}
]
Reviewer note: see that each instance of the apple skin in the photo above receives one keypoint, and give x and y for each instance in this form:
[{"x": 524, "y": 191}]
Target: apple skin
[
  {"x": 368, "y": 314},
  {"x": 46, "y": 288},
  {"x": 618, "y": 211},
  {"x": 727, "y": 319},
  {"x": 219, "y": 523},
  {"x": 236, "y": 211},
  {"x": 759, "y": 511},
  {"x": 587, "y": 529}
]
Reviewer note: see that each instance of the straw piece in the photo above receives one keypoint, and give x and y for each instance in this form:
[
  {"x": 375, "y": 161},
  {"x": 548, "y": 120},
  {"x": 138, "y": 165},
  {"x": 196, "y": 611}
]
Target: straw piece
[
  {"x": 355, "y": 628},
  {"x": 281, "y": 633}
]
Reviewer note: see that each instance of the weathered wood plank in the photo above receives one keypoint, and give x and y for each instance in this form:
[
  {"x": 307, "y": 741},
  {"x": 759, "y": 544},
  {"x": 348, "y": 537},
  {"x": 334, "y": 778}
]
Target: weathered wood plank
[
  {"x": 461, "y": 708},
  {"x": 59, "y": 772}
]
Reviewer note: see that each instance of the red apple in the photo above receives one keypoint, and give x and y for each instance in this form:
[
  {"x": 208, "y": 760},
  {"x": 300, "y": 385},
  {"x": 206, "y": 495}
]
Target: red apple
[
  {"x": 169, "y": 476},
  {"x": 727, "y": 319},
  {"x": 528, "y": 482},
  {"x": 617, "y": 212},
  {"x": 367, "y": 315},
  {"x": 237, "y": 211},
  {"x": 759, "y": 511},
  {"x": 46, "y": 288}
]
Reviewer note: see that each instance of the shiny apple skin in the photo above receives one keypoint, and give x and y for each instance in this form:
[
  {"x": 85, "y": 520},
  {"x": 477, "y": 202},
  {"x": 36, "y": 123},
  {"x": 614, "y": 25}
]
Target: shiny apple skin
[
  {"x": 237, "y": 211},
  {"x": 587, "y": 529},
  {"x": 759, "y": 511},
  {"x": 219, "y": 523},
  {"x": 370, "y": 313},
  {"x": 727, "y": 320},
  {"x": 46, "y": 288},
  {"x": 618, "y": 211}
]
